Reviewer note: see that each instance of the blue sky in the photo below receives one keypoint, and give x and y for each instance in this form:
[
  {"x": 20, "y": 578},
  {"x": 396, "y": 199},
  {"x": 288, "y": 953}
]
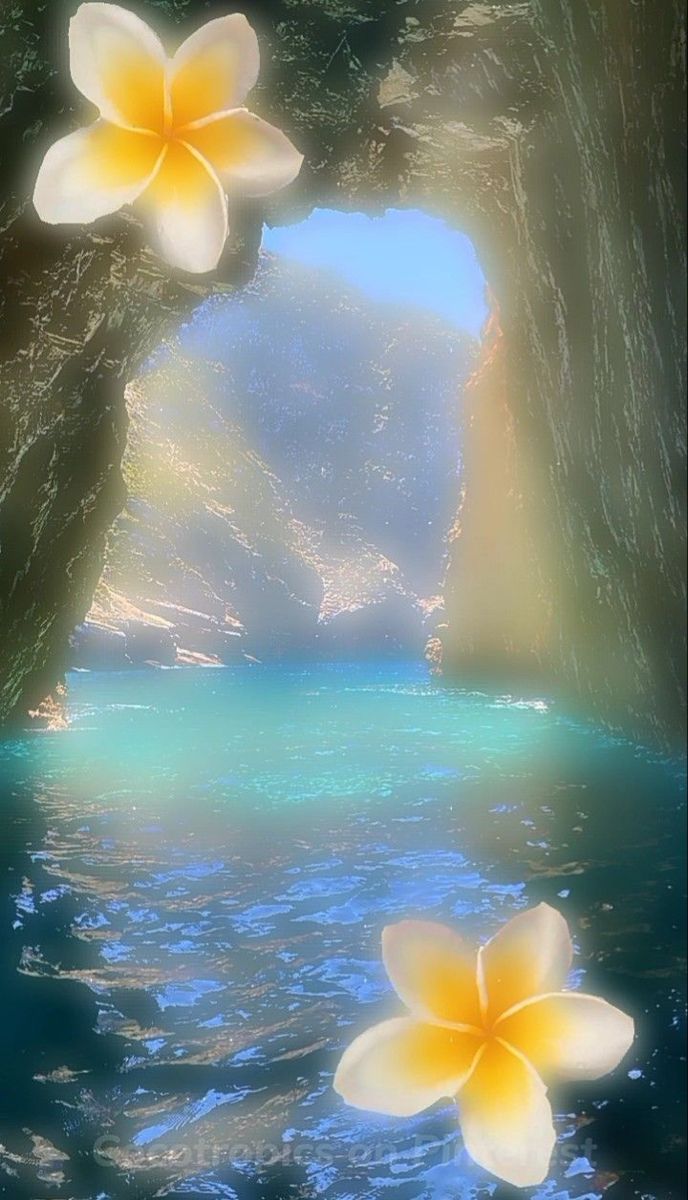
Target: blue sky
[{"x": 405, "y": 256}]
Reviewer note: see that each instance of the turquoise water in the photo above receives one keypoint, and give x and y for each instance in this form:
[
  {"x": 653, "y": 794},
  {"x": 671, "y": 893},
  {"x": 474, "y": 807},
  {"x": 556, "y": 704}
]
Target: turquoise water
[{"x": 196, "y": 874}]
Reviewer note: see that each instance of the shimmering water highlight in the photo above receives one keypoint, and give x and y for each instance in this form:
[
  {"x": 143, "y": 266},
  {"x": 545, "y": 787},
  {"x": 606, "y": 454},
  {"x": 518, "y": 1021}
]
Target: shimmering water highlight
[{"x": 197, "y": 874}]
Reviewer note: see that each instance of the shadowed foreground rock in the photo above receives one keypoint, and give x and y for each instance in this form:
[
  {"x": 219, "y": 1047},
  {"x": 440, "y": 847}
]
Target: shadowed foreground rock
[{"x": 553, "y": 134}]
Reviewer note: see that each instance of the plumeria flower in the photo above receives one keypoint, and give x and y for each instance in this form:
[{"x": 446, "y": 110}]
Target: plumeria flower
[
  {"x": 172, "y": 133},
  {"x": 491, "y": 1029}
]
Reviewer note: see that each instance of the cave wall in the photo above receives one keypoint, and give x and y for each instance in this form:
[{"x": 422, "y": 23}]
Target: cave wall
[
  {"x": 551, "y": 132},
  {"x": 593, "y": 376}
]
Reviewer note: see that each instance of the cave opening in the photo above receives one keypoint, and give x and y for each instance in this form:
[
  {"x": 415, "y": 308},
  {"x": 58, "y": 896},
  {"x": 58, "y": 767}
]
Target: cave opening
[{"x": 294, "y": 455}]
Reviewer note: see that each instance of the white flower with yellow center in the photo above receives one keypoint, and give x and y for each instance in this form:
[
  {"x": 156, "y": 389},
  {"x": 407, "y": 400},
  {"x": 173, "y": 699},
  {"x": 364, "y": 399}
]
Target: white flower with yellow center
[
  {"x": 491, "y": 1029},
  {"x": 172, "y": 133}
]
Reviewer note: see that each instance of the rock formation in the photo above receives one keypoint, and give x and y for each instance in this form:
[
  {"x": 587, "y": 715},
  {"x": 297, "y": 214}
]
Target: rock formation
[
  {"x": 291, "y": 471},
  {"x": 552, "y": 133}
]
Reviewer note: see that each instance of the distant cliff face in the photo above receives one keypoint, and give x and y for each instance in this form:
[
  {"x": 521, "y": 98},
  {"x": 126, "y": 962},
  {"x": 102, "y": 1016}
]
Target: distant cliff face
[
  {"x": 553, "y": 133},
  {"x": 292, "y": 470}
]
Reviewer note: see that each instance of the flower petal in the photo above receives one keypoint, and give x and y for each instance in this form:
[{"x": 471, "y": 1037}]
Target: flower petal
[
  {"x": 93, "y": 172},
  {"x": 530, "y": 955},
  {"x": 568, "y": 1035},
  {"x": 506, "y": 1118},
  {"x": 214, "y": 69},
  {"x": 119, "y": 64},
  {"x": 432, "y": 971},
  {"x": 188, "y": 211},
  {"x": 247, "y": 153},
  {"x": 401, "y": 1066}
]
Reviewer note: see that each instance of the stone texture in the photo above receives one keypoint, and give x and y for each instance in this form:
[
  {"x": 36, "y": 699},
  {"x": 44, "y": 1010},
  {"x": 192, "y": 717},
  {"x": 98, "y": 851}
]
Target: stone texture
[{"x": 553, "y": 134}]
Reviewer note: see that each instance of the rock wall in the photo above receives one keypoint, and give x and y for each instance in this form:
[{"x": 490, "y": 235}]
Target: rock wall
[
  {"x": 551, "y": 132},
  {"x": 592, "y": 304}
]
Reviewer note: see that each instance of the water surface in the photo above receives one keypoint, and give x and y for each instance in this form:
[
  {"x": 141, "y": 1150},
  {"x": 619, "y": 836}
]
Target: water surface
[{"x": 196, "y": 875}]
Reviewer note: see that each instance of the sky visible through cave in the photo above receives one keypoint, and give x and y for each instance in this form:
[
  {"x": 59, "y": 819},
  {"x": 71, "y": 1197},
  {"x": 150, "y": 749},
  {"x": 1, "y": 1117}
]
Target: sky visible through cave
[{"x": 404, "y": 256}]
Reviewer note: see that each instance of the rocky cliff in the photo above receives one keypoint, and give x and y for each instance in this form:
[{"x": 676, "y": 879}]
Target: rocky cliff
[
  {"x": 292, "y": 469},
  {"x": 553, "y": 134}
]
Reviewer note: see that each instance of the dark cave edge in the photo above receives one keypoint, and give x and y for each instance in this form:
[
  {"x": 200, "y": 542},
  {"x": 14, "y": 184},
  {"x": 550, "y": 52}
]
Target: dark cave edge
[{"x": 553, "y": 134}]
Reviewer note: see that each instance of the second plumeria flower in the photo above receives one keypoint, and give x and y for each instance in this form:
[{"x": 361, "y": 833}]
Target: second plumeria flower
[
  {"x": 491, "y": 1029},
  {"x": 173, "y": 133}
]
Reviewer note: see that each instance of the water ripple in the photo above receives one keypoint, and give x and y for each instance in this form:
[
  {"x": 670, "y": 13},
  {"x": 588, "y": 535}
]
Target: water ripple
[{"x": 194, "y": 911}]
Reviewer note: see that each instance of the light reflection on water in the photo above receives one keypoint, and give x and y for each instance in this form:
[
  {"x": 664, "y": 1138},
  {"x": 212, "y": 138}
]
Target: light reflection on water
[{"x": 198, "y": 873}]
